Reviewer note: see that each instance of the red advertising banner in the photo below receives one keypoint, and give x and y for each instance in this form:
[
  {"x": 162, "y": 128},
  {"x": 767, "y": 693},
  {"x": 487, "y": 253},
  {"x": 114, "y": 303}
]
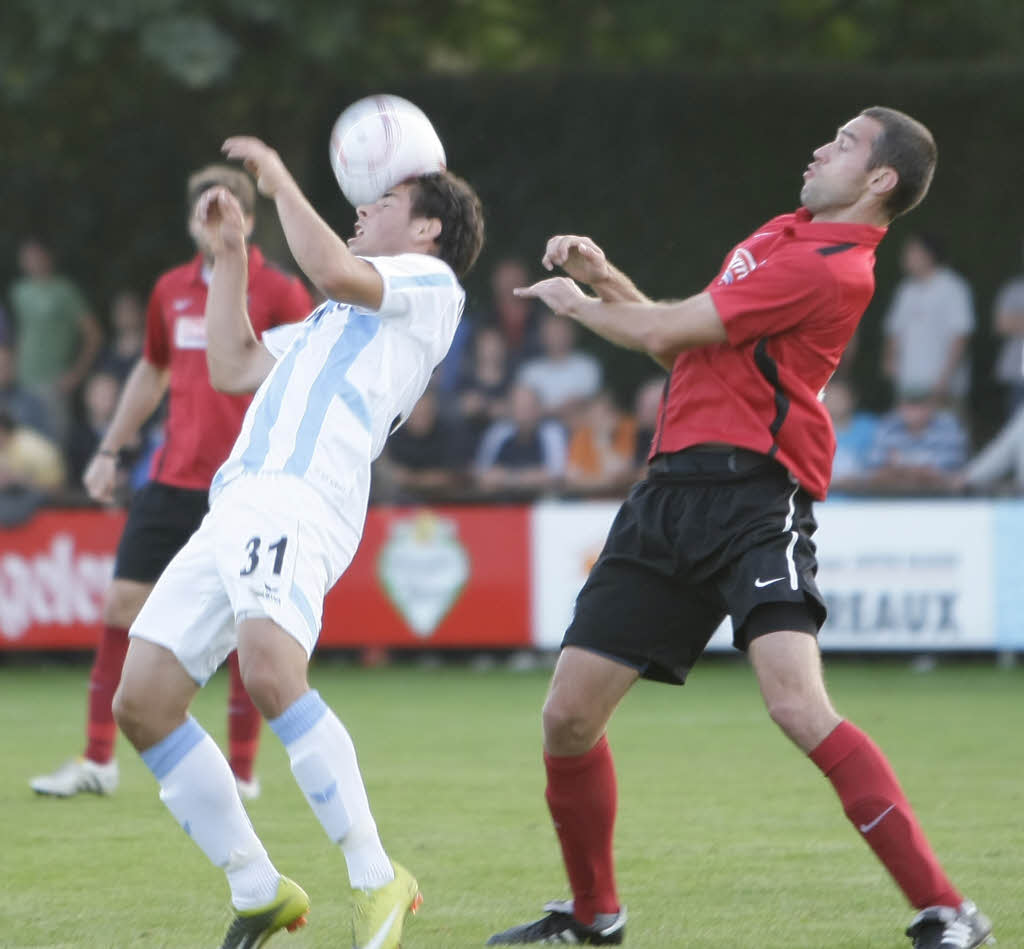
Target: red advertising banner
[
  {"x": 430, "y": 578},
  {"x": 422, "y": 578},
  {"x": 53, "y": 574}
]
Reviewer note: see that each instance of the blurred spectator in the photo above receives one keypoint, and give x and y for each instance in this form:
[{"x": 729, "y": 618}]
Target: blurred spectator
[
  {"x": 855, "y": 436},
  {"x": 128, "y": 326},
  {"x": 6, "y": 336},
  {"x": 31, "y": 469},
  {"x": 523, "y": 455},
  {"x": 602, "y": 446},
  {"x": 517, "y": 319},
  {"x": 562, "y": 376},
  {"x": 26, "y": 408},
  {"x": 928, "y": 325},
  {"x": 99, "y": 400},
  {"x": 917, "y": 447},
  {"x": 481, "y": 395},
  {"x": 646, "y": 404},
  {"x": 1009, "y": 324},
  {"x": 1000, "y": 463},
  {"x": 57, "y": 335},
  {"x": 422, "y": 460}
]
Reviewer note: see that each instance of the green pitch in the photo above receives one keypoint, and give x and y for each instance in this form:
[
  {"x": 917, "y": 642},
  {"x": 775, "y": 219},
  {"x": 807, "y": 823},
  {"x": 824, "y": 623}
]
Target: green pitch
[{"x": 726, "y": 836}]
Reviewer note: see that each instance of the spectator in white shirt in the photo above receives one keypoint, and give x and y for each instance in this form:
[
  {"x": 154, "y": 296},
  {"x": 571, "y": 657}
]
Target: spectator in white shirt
[
  {"x": 928, "y": 325},
  {"x": 563, "y": 377}
]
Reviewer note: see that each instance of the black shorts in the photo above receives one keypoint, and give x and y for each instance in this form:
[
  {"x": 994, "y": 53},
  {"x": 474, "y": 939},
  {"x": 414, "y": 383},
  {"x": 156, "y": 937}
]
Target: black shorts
[
  {"x": 710, "y": 533},
  {"x": 160, "y": 519}
]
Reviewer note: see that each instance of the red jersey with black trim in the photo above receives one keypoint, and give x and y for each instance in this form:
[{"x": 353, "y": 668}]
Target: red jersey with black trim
[
  {"x": 790, "y": 297},
  {"x": 202, "y": 423}
]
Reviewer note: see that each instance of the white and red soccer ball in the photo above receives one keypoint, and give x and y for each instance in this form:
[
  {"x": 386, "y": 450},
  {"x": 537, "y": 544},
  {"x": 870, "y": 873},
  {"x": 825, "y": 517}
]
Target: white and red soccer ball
[{"x": 379, "y": 142}]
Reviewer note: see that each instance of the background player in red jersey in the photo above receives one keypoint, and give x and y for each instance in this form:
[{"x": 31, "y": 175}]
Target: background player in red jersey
[
  {"x": 723, "y": 524},
  {"x": 202, "y": 425}
]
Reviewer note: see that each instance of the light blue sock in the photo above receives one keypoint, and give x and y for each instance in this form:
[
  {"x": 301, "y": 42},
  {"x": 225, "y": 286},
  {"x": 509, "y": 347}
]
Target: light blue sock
[
  {"x": 199, "y": 789},
  {"x": 324, "y": 764}
]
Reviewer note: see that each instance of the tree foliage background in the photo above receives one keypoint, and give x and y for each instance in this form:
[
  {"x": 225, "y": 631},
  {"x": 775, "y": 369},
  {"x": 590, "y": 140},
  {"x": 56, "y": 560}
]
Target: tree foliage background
[{"x": 667, "y": 127}]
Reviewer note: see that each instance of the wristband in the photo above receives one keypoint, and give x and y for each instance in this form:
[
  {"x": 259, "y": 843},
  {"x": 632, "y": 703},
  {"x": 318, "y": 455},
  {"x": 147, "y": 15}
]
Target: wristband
[{"x": 107, "y": 454}]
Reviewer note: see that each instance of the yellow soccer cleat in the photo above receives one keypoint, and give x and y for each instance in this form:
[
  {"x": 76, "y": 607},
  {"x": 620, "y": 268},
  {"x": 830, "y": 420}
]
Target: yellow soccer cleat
[
  {"x": 378, "y": 916},
  {"x": 251, "y": 928}
]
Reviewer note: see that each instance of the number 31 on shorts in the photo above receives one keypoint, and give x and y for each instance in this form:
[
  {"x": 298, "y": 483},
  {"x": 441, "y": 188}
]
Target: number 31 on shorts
[{"x": 267, "y": 558}]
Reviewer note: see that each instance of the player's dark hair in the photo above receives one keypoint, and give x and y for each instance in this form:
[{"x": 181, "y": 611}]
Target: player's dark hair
[
  {"x": 455, "y": 204},
  {"x": 906, "y": 146},
  {"x": 228, "y": 176}
]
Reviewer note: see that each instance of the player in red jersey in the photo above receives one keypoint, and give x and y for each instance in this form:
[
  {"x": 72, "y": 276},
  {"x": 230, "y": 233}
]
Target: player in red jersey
[
  {"x": 723, "y": 524},
  {"x": 202, "y": 425}
]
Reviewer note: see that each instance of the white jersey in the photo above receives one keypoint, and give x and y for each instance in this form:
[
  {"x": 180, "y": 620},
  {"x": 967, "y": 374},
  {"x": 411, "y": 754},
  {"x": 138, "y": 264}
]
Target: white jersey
[{"x": 344, "y": 378}]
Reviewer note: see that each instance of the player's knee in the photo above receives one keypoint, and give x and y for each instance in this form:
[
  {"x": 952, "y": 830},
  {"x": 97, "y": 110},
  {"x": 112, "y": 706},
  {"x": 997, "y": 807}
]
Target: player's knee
[
  {"x": 269, "y": 685},
  {"x": 567, "y": 727},
  {"x": 805, "y": 721},
  {"x": 130, "y": 711},
  {"x": 787, "y": 711}
]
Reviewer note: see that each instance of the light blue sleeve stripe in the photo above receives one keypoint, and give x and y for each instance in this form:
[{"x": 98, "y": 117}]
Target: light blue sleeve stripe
[
  {"x": 299, "y": 717},
  {"x": 165, "y": 755},
  {"x": 424, "y": 280},
  {"x": 269, "y": 408},
  {"x": 330, "y": 382}
]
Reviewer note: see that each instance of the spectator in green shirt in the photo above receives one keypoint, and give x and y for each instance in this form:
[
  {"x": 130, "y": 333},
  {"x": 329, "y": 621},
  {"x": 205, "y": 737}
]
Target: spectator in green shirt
[{"x": 57, "y": 335}]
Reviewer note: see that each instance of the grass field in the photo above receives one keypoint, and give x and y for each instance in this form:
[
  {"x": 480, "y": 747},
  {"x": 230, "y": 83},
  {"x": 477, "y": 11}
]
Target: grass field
[{"x": 726, "y": 836}]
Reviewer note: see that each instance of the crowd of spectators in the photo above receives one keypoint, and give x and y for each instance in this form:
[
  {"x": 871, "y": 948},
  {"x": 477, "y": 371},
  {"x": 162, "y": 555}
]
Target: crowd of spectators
[
  {"x": 520, "y": 408},
  {"x": 61, "y": 375},
  {"x": 922, "y": 445}
]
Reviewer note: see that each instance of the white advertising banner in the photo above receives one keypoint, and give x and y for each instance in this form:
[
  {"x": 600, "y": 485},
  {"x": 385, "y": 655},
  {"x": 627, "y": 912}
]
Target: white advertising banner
[
  {"x": 899, "y": 575},
  {"x": 565, "y": 540},
  {"x": 907, "y": 574}
]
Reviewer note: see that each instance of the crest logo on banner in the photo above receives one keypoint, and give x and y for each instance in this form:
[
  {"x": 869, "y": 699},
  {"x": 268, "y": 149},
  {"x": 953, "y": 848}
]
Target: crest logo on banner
[{"x": 423, "y": 568}]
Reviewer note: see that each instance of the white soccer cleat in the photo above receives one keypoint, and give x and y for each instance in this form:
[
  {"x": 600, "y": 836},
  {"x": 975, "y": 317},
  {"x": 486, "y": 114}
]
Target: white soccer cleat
[
  {"x": 77, "y": 776},
  {"x": 248, "y": 790}
]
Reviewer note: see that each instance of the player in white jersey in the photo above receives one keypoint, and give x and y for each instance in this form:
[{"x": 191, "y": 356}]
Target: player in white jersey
[{"x": 286, "y": 514}]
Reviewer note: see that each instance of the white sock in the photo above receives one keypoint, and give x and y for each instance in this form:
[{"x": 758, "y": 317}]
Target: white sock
[
  {"x": 199, "y": 789},
  {"x": 324, "y": 764}
]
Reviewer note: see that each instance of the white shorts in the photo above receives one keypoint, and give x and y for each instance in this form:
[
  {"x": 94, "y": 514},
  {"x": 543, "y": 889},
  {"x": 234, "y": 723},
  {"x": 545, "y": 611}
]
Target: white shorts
[{"x": 269, "y": 547}]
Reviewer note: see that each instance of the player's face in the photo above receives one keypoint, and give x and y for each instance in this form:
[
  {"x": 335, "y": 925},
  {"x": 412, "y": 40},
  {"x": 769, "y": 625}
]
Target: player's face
[
  {"x": 384, "y": 227},
  {"x": 838, "y": 177}
]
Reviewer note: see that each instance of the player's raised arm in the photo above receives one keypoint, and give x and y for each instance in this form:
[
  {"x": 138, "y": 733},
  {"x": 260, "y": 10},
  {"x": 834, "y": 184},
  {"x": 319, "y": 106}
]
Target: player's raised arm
[
  {"x": 237, "y": 360},
  {"x": 662, "y": 330},
  {"x": 584, "y": 261},
  {"x": 319, "y": 251}
]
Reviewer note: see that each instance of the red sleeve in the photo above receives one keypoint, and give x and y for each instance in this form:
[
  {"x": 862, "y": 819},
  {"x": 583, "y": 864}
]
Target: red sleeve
[
  {"x": 775, "y": 297},
  {"x": 294, "y": 304},
  {"x": 156, "y": 349}
]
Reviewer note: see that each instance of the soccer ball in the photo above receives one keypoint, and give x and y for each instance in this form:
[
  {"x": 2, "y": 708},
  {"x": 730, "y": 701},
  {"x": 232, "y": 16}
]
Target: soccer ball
[{"x": 379, "y": 142}]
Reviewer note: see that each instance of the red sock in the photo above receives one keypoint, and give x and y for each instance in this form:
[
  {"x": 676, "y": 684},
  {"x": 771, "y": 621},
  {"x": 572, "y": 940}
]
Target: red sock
[
  {"x": 244, "y": 721},
  {"x": 582, "y": 798},
  {"x": 876, "y": 806},
  {"x": 101, "y": 730}
]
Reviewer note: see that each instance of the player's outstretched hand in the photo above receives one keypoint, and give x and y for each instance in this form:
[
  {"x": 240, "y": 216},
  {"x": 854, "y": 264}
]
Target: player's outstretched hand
[
  {"x": 100, "y": 478},
  {"x": 220, "y": 221},
  {"x": 578, "y": 256},
  {"x": 558, "y": 293},
  {"x": 260, "y": 160}
]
